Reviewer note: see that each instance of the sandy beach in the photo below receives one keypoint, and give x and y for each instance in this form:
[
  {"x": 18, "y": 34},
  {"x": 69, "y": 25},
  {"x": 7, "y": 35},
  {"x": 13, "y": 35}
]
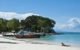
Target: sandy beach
[{"x": 7, "y": 44}]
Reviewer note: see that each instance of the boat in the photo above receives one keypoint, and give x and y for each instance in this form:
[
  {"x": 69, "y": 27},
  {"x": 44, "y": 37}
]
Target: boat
[
  {"x": 26, "y": 34},
  {"x": 9, "y": 34}
]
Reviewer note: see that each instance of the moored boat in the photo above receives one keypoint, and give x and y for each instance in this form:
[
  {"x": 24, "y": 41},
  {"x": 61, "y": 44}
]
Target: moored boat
[{"x": 26, "y": 34}]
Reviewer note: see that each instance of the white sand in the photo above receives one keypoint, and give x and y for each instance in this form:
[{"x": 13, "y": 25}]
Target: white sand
[{"x": 21, "y": 45}]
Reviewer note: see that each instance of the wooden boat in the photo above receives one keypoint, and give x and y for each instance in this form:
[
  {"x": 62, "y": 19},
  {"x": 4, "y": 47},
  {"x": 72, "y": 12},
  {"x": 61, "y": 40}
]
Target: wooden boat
[{"x": 28, "y": 36}]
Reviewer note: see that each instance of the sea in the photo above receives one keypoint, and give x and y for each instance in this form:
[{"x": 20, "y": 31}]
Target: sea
[{"x": 68, "y": 38}]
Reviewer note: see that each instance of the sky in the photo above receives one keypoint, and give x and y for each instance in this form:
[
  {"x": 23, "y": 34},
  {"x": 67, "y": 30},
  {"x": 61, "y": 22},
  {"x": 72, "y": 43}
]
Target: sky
[{"x": 66, "y": 13}]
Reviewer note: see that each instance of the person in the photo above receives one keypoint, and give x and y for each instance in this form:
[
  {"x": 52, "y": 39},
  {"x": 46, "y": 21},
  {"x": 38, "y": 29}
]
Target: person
[{"x": 64, "y": 44}]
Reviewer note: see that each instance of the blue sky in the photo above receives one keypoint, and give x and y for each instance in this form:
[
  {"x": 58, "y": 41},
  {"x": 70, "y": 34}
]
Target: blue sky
[{"x": 59, "y": 10}]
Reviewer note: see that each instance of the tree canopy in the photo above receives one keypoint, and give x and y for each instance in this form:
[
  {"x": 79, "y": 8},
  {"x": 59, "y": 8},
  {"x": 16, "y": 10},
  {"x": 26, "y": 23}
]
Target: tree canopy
[
  {"x": 3, "y": 24},
  {"x": 32, "y": 23},
  {"x": 13, "y": 24},
  {"x": 36, "y": 23}
]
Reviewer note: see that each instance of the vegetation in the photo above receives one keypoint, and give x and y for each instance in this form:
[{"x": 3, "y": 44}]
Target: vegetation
[
  {"x": 3, "y": 26},
  {"x": 13, "y": 24},
  {"x": 32, "y": 23},
  {"x": 38, "y": 24}
]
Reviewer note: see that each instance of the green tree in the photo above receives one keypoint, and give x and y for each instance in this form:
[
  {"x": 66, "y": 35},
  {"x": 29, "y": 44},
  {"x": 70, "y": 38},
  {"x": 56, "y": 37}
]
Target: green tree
[
  {"x": 3, "y": 25},
  {"x": 22, "y": 24},
  {"x": 46, "y": 24},
  {"x": 39, "y": 24},
  {"x": 13, "y": 24}
]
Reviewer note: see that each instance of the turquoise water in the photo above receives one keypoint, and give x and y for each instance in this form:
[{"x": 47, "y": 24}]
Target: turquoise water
[{"x": 70, "y": 38}]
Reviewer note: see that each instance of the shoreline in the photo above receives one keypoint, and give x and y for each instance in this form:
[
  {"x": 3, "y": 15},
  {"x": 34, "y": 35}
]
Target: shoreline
[
  {"x": 36, "y": 41},
  {"x": 33, "y": 45}
]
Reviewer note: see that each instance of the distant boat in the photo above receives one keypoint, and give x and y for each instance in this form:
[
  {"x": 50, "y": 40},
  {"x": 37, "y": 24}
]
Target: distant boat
[{"x": 8, "y": 34}]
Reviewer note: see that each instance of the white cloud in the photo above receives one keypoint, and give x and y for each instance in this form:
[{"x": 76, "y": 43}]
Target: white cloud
[
  {"x": 71, "y": 25},
  {"x": 10, "y": 15}
]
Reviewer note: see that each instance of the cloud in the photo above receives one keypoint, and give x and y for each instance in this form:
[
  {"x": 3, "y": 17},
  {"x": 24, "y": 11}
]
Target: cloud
[
  {"x": 71, "y": 25},
  {"x": 10, "y": 15}
]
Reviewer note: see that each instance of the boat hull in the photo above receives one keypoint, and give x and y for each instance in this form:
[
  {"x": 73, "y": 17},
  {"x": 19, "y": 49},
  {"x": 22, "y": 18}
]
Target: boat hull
[{"x": 28, "y": 36}]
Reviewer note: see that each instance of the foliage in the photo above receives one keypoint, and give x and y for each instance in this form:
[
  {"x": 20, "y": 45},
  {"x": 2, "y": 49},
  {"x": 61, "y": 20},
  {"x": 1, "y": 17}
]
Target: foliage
[
  {"x": 39, "y": 24},
  {"x": 13, "y": 24},
  {"x": 3, "y": 25},
  {"x": 32, "y": 23}
]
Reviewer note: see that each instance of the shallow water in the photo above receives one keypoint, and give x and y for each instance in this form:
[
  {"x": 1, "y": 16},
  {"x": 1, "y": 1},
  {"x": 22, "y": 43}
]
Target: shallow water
[{"x": 69, "y": 38}]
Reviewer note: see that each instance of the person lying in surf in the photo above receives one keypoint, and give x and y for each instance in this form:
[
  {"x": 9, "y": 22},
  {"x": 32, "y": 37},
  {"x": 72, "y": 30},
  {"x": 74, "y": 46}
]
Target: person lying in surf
[{"x": 65, "y": 45}]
